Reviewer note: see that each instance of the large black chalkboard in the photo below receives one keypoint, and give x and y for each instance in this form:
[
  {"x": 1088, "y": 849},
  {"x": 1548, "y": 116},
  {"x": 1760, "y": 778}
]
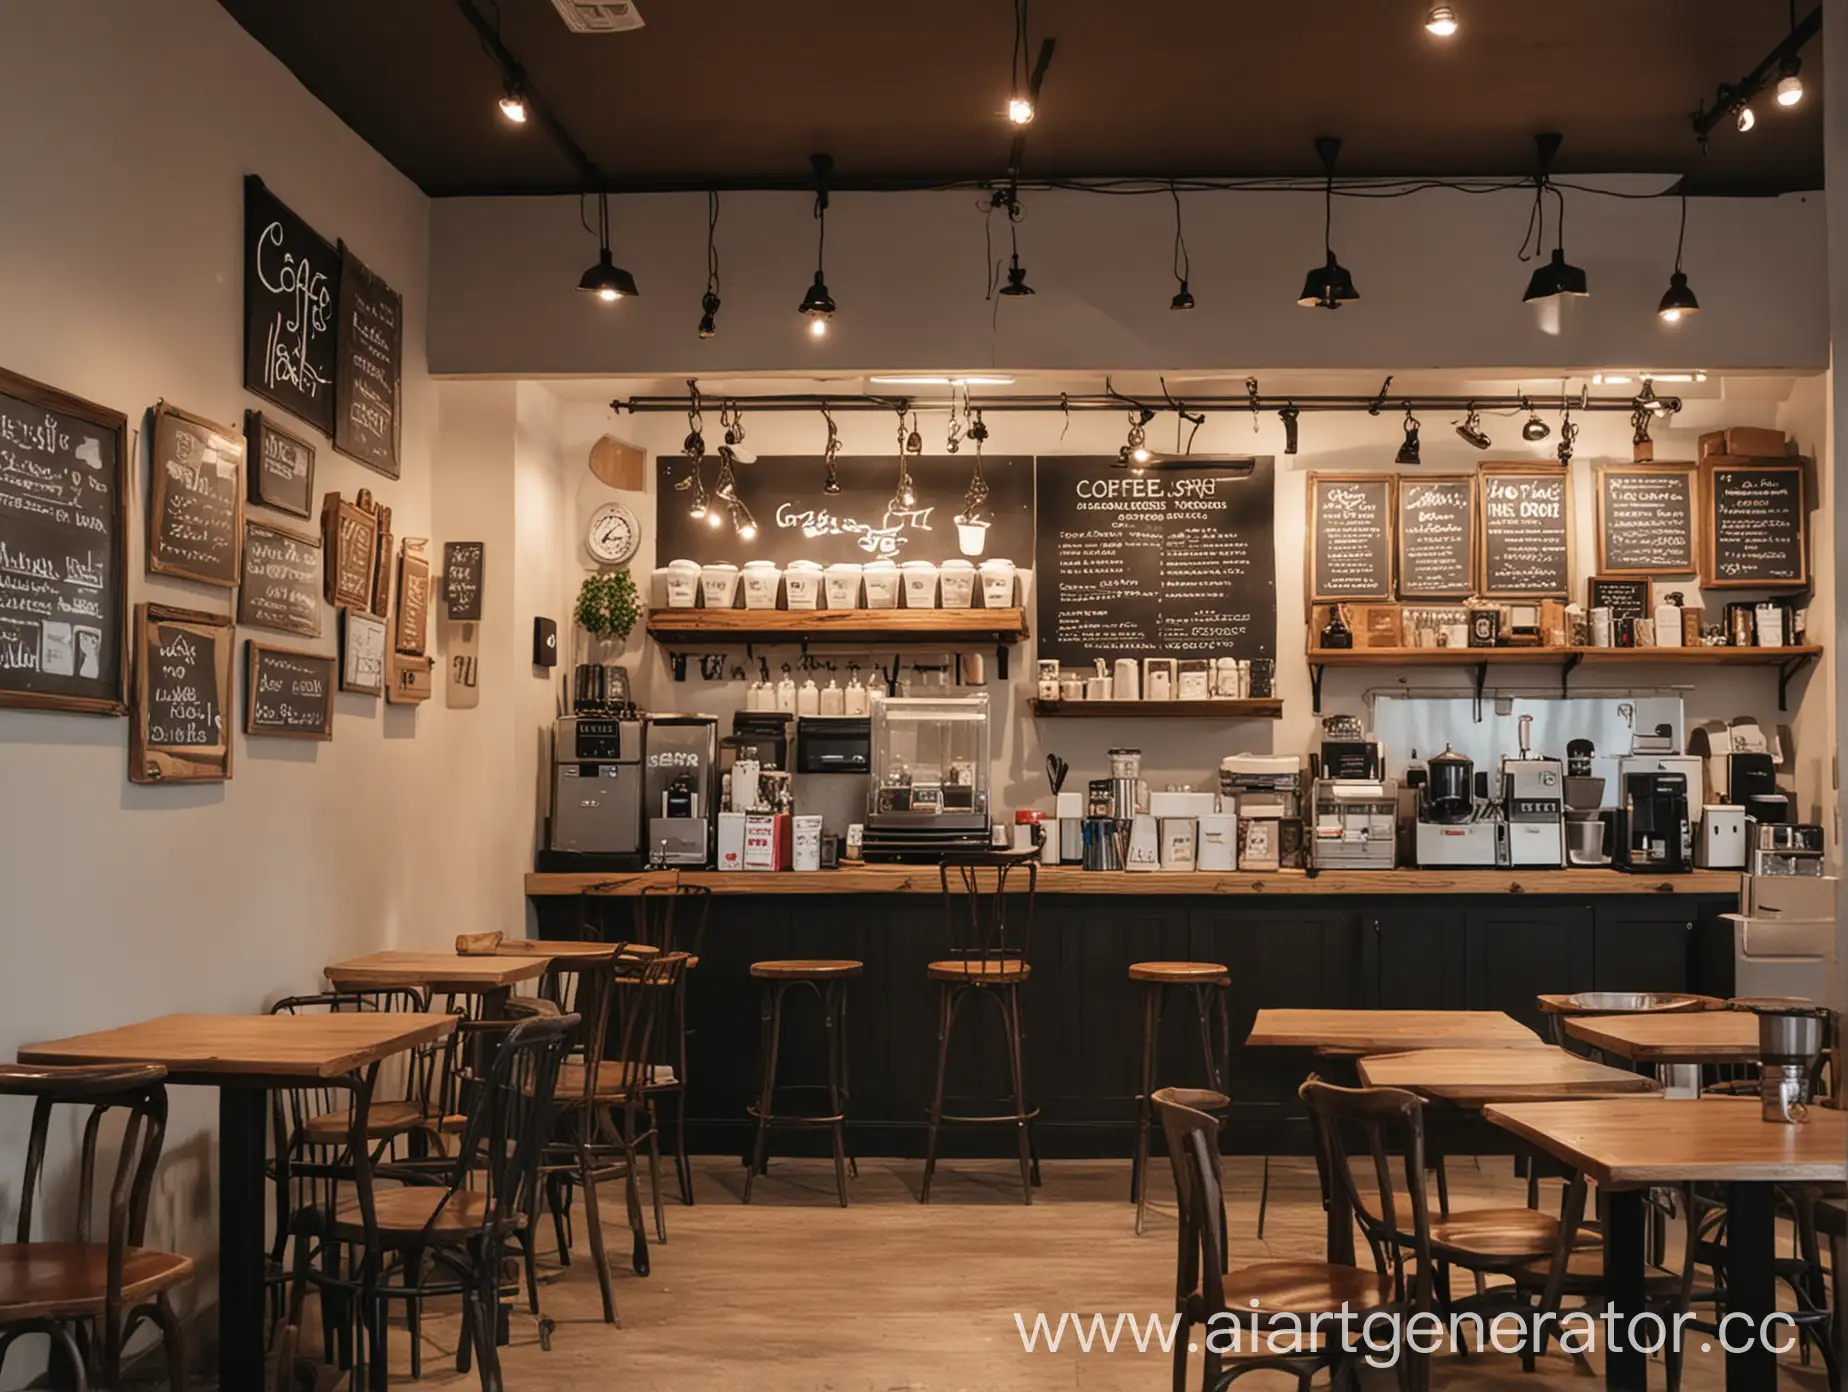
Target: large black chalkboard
[
  {"x": 462, "y": 570},
  {"x": 289, "y": 693},
  {"x": 282, "y": 580},
  {"x": 1160, "y": 562},
  {"x": 1350, "y": 536},
  {"x": 63, "y": 551},
  {"x": 196, "y": 502},
  {"x": 1437, "y": 536},
  {"x": 1757, "y": 526},
  {"x": 796, "y": 520},
  {"x": 1646, "y": 519},
  {"x": 1526, "y": 521},
  {"x": 291, "y": 298},
  {"x": 369, "y": 367}
]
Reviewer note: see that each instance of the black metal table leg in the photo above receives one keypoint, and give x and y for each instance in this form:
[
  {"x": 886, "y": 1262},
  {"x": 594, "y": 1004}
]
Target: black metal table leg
[
  {"x": 243, "y": 1122},
  {"x": 1625, "y": 1369},
  {"x": 1751, "y": 1289}
]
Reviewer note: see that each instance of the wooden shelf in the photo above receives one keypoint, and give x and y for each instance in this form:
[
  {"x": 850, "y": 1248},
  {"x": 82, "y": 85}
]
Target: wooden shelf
[
  {"x": 694, "y": 627},
  {"x": 1268, "y": 708}
]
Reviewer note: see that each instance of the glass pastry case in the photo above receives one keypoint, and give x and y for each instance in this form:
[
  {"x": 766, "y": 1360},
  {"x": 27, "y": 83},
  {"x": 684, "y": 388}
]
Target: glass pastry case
[{"x": 929, "y": 790}]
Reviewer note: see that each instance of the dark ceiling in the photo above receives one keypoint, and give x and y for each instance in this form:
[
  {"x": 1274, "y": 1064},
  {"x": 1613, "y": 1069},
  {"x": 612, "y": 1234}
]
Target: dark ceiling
[{"x": 740, "y": 92}]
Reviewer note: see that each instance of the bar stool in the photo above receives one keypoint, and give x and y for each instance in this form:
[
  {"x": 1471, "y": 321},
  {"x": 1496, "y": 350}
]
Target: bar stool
[
  {"x": 672, "y": 918},
  {"x": 1206, "y": 982},
  {"x": 828, "y": 979},
  {"x": 988, "y": 947}
]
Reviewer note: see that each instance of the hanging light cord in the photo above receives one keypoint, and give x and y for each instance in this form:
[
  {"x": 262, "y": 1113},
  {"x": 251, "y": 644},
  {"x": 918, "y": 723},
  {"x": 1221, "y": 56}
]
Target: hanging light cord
[
  {"x": 1682, "y": 236},
  {"x": 1182, "y": 263},
  {"x": 1017, "y": 64},
  {"x": 821, "y": 227},
  {"x": 712, "y": 245}
]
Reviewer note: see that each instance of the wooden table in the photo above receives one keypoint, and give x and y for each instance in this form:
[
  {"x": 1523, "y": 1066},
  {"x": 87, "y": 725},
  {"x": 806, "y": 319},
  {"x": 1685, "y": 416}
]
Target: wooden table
[
  {"x": 443, "y": 973},
  {"x": 1626, "y": 1144},
  {"x": 243, "y": 1056},
  {"x": 1388, "y": 1031},
  {"x": 1703, "y": 1036},
  {"x": 1473, "y": 1078}
]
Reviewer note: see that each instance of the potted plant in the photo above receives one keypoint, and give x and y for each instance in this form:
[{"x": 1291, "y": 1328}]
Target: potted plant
[{"x": 608, "y": 606}]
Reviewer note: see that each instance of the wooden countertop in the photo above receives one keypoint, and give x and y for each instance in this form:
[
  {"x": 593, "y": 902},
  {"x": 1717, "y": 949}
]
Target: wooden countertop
[{"x": 1070, "y": 879}]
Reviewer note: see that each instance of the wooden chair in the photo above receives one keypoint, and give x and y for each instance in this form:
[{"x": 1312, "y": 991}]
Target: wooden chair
[
  {"x": 672, "y": 918},
  {"x": 1264, "y": 1297},
  {"x": 89, "y": 1296}
]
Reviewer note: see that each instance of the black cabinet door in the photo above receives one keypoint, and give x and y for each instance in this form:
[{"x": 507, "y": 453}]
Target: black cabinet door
[
  {"x": 1645, "y": 946},
  {"x": 1521, "y": 950},
  {"x": 1423, "y": 955}
]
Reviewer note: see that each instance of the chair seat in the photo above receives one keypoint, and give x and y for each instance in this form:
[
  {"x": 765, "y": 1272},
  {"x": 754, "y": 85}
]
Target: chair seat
[
  {"x": 405, "y": 1212},
  {"x": 1304, "y": 1288},
  {"x": 1200, "y": 1099},
  {"x": 70, "y": 1280},
  {"x": 1007, "y": 969},
  {"x": 806, "y": 969},
  {"x": 1496, "y": 1234},
  {"x": 1585, "y": 1270},
  {"x": 1196, "y": 973},
  {"x": 383, "y": 1120},
  {"x": 612, "y": 1076}
]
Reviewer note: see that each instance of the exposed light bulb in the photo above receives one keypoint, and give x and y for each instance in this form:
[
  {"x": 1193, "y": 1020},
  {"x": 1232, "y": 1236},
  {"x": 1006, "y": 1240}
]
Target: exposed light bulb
[
  {"x": 1671, "y": 316},
  {"x": 609, "y": 294},
  {"x": 712, "y": 517},
  {"x": 747, "y": 527},
  {"x": 513, "y": 102},
  {"x": 1789, "y": 90},
  {"x": 1020, "y": 111},
  {"x": 818, "y": 328},
  {"x": 1442, "y": 21},
  {"x": 1141, "y": 454},
  {"x": 1746, "y": 119}
]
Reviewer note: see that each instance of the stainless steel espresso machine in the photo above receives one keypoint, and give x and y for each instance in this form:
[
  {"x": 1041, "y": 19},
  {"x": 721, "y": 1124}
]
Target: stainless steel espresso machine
[
  {"x": 1533, "y": 802},
  {"x": 680, "y": 788},
  {"x": 1456, "y": 828},
  {"x": 596, "y": 820},
  {"x": 1354, "y": 806}
]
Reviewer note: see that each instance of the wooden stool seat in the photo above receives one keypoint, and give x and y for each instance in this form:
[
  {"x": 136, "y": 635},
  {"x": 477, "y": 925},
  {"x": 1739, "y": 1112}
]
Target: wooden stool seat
[
  {"x": 613, "y": 1079},
  {"x": 1202, "y": 973},
  {"x": 383, "y": 1120},
  {"x": 1304, "y": 1287},
  {"x": 806, "y": 969},
  {"x": 70, "y": 1280},
  {"x": 1007, "y": 969},
  {"x": 405, "y": 1213}
]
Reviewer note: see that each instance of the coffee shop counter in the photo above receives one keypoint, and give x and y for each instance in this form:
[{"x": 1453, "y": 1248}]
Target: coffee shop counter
[{"x": 1407, "y": 939}]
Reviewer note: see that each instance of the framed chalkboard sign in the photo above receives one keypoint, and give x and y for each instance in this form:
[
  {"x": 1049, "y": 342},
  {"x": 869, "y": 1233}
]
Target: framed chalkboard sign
[
  {"x": 1625, "y": 597},
  {"x": 291, "y": 297},
  {"x": 1350, "y": 536},
  {"x": 412, "y": 635},
  {"x": 1645, "y": 519},
  {"x": 462, "y": 567},
  {"x": 362, "y": 653},
  {"x": 64, "y": 536},
  {"x": 350, "y": 534},
  {"x": 368, "y": 367},
  {"x": 1437, "y": 536},
  {"x": 196, "y": 502},
  {"x": 1525, "y": 522},
  {"x": 280, "y": 466},
  {"x": 179, "y": 732},
  {"x": 287, "y": 693},
  {"x": 282, "y": 580},
  {"x": 1756, "y": 530}
]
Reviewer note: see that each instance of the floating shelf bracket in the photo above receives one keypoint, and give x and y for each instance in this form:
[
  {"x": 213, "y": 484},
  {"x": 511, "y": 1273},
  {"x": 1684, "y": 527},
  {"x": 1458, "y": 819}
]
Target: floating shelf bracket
[
  {"x": 1565, "y": 672},
  {"x": 1315, "y": 687},
  {"x": 1785, "y": 671},
  {"x": 1482, "y": 679}
]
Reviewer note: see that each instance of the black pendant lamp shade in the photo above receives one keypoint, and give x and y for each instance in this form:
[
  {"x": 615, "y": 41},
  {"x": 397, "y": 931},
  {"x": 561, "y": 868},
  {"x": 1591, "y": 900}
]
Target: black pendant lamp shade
[
  {"x": 1329, "y": 285},
  {"x": 818, "y": 303},
  {"x": 1016, "y": 278},
  {"x": 606, "y": 280},
  {"x": 1678, "y": 301},
  {"x": 1556, "y": 276},
  {"x": 1183, "y": 298}
]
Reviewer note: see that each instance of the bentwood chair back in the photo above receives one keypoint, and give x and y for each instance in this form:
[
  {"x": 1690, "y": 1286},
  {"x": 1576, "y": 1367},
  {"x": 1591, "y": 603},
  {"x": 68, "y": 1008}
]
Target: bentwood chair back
[
  {"x": 672, "y": 918},
  {"x": 74, "y": 1289},
  {"x": 1392, "y": 1213},
  {"x": 989, "y": 927}
]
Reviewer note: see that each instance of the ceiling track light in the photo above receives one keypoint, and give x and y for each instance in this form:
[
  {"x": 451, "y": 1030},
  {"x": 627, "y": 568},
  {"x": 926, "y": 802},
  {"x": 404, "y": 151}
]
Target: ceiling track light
[
  {"x": 905, "y": 495},
  {"x": 1409, "y": 448},
  {"x": 1327, "y": 286},
  {"x": 1183, "y": 297},
  {"x": 1441, "y": 21},
  {"x": 1778, "y": 73},
  {"x": 1533, "y": 429},
  {"x": 1678, "y": 300},
  {"x": 831, "y": 483},
  {"x": 1135, "y": 450},
  {"x": 1009, "y": 198},
  {"x": 817, "y": 304},
  {"x": 513, "y": 98},
  {"x": 694, "y": 447},
  {"x": 1471, "y": 431},
  {"x": 1024, "y": 87},
  {"x": 1555, "y": 276},
  {"x": 606, "y": 280},
  {"x": 1789, "y": 85},
  {"x": 709, "y": 302}
]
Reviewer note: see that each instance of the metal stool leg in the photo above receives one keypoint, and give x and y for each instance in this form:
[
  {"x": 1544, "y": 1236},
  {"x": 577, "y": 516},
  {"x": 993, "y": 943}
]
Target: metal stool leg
[
  {"x": 1010, "y": 1012},
  {"x": 947, "y": 1000},
  {"x": 1139, "y": 1163},
  {"x": 832, "y": 995},
  {"x": 773, "y": 1033}
]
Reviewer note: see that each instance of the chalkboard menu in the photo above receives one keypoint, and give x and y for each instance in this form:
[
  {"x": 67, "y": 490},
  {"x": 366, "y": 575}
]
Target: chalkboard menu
[
  {"x": 182, "y": 680},
  {"x": 288, "y": 693},
  {"x": 462, "y": 567},
  {"x": 1646, "y": 519},
  {"x": 63, "y": 551},
  {"x": 1437, "y": 537},
  {"x": 291, "y": 296},
  {"x": 196, "y": 512},
  {"x": 281, "y": 471},
  {"x": 797, "y": 520},
  {"x": 1625, "y": 598},
  {"x": 1526, "y": 531},
  {"x": 1757, "y": 526},
  {"x": 369, "y": 367},
  {"x": 282, "y": 581},
  {"x": 1176, "y": 561},
  {"x": 1350, "y": 536}
]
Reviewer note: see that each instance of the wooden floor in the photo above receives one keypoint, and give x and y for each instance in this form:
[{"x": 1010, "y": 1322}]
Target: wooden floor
[{"x": 794, "y": 1294}]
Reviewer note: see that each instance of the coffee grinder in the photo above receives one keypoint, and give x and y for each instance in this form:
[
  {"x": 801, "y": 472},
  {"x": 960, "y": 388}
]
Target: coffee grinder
[
  {"x": 1789, "y": 1042},
  {"x": 1533, "y": 801},
  {"x": 1456, "y": 828}
]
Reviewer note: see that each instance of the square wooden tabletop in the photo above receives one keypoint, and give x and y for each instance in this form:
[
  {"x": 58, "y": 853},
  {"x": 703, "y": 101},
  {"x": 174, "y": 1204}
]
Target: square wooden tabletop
[
  {"x": 558, "y": 949},
  {"x": 1629, "y": 1142},
  {"x": 211, "y": 1049},
  {"x": 448, "y": 972},
  {"x": 1706, "y": 1036},
  {"x": 1475, "y": 1077},
  {"x": 1388, "y": 1031}
]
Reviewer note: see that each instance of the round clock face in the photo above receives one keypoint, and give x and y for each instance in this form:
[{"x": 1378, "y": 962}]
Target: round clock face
[{"x": 614, "y": 535}]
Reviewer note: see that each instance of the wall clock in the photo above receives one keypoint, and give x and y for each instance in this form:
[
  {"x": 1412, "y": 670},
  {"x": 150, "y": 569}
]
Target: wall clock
[{"x": 614, "y": 535}]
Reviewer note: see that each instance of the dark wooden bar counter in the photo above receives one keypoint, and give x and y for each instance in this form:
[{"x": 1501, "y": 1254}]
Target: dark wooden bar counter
[{"x": 1404, "y": 939}]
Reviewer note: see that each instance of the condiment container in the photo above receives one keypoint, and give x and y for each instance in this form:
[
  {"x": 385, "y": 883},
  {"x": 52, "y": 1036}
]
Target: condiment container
[
  {"x": 833, "y": 699},
  {"x": 956, "y": 583},
  {"x": 1047, "y": 688},
  {"x": 762, "y": 580},
  {"x": 997, "y": 583},
  {"x": 806, "y": 843},
  {"x": 718, "y": 583},
  {"x": 1072, "y": 686},
  {"x": 1217, "y": 844},
  {"x": 1177, "y": 843},
  {"x": 1770, "y": 619},
  {"x": 1601, "y": 627},
  {"x": 1668, "y": 621},
  {"x": 841, "y": 585},
  {"x": 1126, "y": 684},
  {"x": 802, "y": 585},
  {"x": 786, "y": 694},
  {"x": 1195, "y": 682},
  {"x": 1097, "y": 688},
  {"x": 808, "y": 698},
  {"x": 920, "y": 579},
  {"x": 882, "y": 584},
  {"x": 853, "y": 701},
  {"x": 682, "y": 584},
  {"x": 1158, "y": 674}
]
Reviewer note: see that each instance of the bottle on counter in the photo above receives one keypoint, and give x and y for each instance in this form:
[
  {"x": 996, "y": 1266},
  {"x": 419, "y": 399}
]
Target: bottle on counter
[
  {"x": 1336, "y": 633},
  {"x": 833, "y": 700},
  {"x": 1668, "y": 620},
  {"x": 853, "y": 700},
  {"x": 786, "y": 693},
  {"x": 808, "y": 699}
]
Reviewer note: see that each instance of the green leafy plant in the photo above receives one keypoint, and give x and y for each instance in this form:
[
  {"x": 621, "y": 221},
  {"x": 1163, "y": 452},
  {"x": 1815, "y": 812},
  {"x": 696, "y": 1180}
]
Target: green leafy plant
[{"x": 608, "y": 605}]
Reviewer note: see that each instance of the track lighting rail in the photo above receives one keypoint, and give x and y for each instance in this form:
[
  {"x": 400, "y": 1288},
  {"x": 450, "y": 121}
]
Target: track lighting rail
[{"x": 1116, "y": 401}]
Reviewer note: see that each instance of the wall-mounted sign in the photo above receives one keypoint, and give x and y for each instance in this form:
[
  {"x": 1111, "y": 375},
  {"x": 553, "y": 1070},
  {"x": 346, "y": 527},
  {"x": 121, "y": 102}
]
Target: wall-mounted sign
[
  {"x": 1526, "y": 525},
  {"x": 350, "y": 536},
  {"x": 291, "y": 299},
  {"x": 463, "y": 562},
  {"x": 196, "y": 507},
  {"x": 368, "y": 368},
  {"x": 282, "y": 580},
  {"x": 362, "y": 653},
  {"x": 1350, "y": 536},
  {"x": 1757, "y": 526},
  {"x": 179, "y": 732},
  {"x": 412, "y": 634},
  {"x": 280, "y": 466},
  {"x": 288, "y": 693},
  {"x": 1437, "y": 536},
  {"x": 1646, "y": 519}
]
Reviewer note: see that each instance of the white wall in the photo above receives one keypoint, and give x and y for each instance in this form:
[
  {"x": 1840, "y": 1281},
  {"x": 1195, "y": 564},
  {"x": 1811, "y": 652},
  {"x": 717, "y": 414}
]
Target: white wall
[{"x": 1439, "y": 281}]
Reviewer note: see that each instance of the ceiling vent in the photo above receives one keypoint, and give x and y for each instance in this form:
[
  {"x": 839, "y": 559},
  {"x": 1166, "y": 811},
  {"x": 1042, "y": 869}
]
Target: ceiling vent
[{"x": 598, "y": 16}]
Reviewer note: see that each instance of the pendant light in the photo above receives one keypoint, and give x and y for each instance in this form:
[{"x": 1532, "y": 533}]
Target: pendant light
[
  {"x": 818, "y": 305},
  {"x": 1327, "y": 285},
  {"x": 606, "y": 280},
  {"x": 1678, "y": 300},
  {"x": 905, "y": 496},
  {"x": 513, "y": 99},
  {"x": 694, "y": 447},
  {"x": 1441, "y": 21},
  {"x": 1789, "y": 85},
  {"x": 976, "y": 517},
  {"x": 1471, "y": 431},
  {"x": 1183, "y": 297},
  {"x": 1533, "y": 429},
  {"x": 831, "y": 484},
  {"x": 1408, "y": 448},
  {"x": 709, "y": 302},
  {"x": 1556, "y": 276}
]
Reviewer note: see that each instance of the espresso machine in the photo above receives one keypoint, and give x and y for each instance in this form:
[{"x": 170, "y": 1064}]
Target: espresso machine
[
  {"x": 596, "y": 820},
  {"x": 1654, "y": 834},
  {"x": 1354, "y": 806},
  {"x": 1533, "y": 802},
  {"x": 1456, "y": 829},
  {"x": 680, "y": 788}
]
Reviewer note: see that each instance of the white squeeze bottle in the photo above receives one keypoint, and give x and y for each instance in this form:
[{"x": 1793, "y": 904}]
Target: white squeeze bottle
[
  {"x": 832, "y": 698},
  {"x": 808, "y": 699},
  {"x": 786, "y": 694},
  {"x": 855, "y": 697}
]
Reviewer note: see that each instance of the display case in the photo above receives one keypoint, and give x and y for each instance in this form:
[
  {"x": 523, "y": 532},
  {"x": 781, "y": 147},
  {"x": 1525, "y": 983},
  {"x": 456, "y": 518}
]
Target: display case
[{"x": 929, "y": 792}]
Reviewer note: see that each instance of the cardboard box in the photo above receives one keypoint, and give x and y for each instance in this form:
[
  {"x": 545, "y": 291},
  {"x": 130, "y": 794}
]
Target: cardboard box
[
  {"x": 1745, "y": 441},
  {"x": 731, "y": 840},
  {"x": 1378, "y": 626},
  {"x": 767, "y": 837}
]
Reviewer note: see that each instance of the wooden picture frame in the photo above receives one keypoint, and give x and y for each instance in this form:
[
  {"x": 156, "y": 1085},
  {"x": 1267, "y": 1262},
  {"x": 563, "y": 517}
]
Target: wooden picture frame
[
  {"x": 326, "y": 669},
  {"x": 166, "y": 554},
  {"x": 1664, "y": 469},
  {"x": 173, "y": 719},
  {"x": 1798, "y": 471},
  {"x": 307, "y": 626},
  {"x": 260, "y": 432},
  {"x": 1601, "y": 590},
  {"x": 1471, "y": 540},
  {"x": 108, "y": 693},
  {"x": 1388, "y": 512},
  {"x": 411, "y": 629},
  {"x": 349, "y": 550},
  {"x": 1485, "y": 473},
  {"x": 363, "y": 647}
]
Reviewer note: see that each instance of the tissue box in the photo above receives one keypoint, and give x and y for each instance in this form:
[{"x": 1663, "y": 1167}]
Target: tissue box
[{"x": 1070, "y": 805}]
